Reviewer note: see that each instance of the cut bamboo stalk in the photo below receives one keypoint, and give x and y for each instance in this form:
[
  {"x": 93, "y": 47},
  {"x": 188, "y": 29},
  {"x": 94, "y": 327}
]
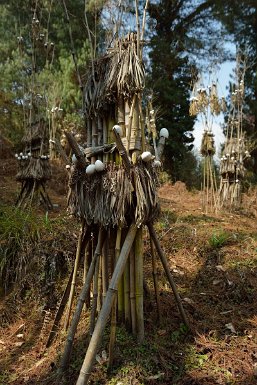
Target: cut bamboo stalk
[
  {"x": 126, "y": 280},
  {"x": 105, "y": 267},
  {"x": 105, "y": 138},
  {"x": 89, "y": 133},
  {"x": 121, "y": 114},
  {"x": 100, "y": 282},
  {"x": 106, "y": 309},
  {"x": 85, "y": 271},
  {"x": 139, "y": 287},
  {"x": 112, "y": 333},
  {"x": 132, "y": 291},
  {"x": 130, "y": 120},
  {"x": 83, "y": 295},
  {"x": 120, "y": 285},
  {"x": 94, "y": 138},
  {"x": 114, "y": 258},
  {"x": 142, "y": 124},
  {"x": 72, "y": 290},
  {"x": 100, "y": 131},
  {"x": 95, "y": 296},
  {"x": 155, "y": 281},
  {"x": 168, "y": 273}
]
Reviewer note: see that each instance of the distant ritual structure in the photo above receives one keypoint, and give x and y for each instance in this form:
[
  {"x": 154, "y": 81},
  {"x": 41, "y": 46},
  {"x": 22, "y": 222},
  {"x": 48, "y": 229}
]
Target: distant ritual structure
[
  {"x": 33, "y": 162},
  {"x": 206, "y": 103},
  {"x": 113, "y": 192},
  {"x": 232, "y": 168}
]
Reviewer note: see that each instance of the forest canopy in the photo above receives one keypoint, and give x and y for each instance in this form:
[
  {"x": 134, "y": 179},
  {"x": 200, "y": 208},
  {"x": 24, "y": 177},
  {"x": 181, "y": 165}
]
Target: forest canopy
[{"x": 181, "y": 37}]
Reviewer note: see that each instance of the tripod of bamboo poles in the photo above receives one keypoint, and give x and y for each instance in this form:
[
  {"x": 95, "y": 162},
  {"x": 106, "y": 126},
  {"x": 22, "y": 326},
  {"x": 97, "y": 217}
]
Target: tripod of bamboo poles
[
  {"x": 232, "y": 169},
  {"x": 206, "y": 104},
  {"x": 34, "y": 169},
  {"x": 126, "y": 286},
  {"x": 113, "y": 190}
]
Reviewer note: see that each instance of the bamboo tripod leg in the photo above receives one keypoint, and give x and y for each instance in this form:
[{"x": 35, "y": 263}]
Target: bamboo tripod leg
[
  {"x": 132, "y": 291},
  {"x": 95, "y": 296},
  {"x": 83, "y": 295},
  {"x": 66, "y": 325},
  {"x": 139, "y": 285},
  {"x": 114, "y": 307},
  {"x": 155, "y": 282},
  {"x": 168, "y": 273},
  {"x": 106, "y": 308}
]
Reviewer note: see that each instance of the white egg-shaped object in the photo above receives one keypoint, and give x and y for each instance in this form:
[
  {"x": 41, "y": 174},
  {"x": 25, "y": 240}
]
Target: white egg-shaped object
[
  {"x": 164, "y": 132},
  {"x": 16, "y": 155},
  {"x": 90, "y": 169},
  {"x": 118, "y": 129},
  {"x": 74, "y": 158},
  {"x": 157, "y": 163},
  {"x": 99, "y": 166},
  {"x": 67, "y": 166},
  {"x": 146, "y": 156}
]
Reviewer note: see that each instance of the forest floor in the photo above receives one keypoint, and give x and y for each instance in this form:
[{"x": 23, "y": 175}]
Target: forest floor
[{"x": 213, "y": 258}]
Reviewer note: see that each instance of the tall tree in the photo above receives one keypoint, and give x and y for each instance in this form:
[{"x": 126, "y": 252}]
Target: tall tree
[
  {"x": 181, "y": 36},
  {"x": 240, "y": 20}
]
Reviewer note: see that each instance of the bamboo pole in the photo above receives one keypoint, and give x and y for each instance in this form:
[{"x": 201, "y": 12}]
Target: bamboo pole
[
  {"x": 95, "y": 296},
  {"x": 114, "y": 258},
  {"x": 94, "y": 138},
  {"x": 72, "y": 290},
  {"x": 155, "y": 281},
  {"x": 130, "y": 120},
  {"x": 126, "y": 283},
  {"x": 105, "y": 267},
  {"x": 139, "y": 285},
  {"x": 168, "y": 273},
  {"x": 132, "y": 290},
  {"x": 83, "y": 295},
  {"x": 100, "y": 282},
  {"x": 113, "y": 332},
  {"x": 89, "y": 133},
  {"x": 120, "y": 284},
  {"x": 107, "y": 306}
]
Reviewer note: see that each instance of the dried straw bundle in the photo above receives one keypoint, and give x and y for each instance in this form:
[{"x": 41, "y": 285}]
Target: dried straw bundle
[
  {"x": 111, "y": 198},
  {"x": 34, "y": 168},
  {"x": 119, "y": 72},
  {"x": 207, "y": 145}
]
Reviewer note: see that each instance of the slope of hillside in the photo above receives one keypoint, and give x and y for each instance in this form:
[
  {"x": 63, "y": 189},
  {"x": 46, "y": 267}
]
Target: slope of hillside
[{"x": 213, "y": 258}]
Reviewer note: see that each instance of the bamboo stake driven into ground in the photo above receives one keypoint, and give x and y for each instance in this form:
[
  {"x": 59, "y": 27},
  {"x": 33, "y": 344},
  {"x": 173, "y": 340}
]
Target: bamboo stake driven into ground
[
  {"x": 155, "y": 281},
  {"x": 139, "y": 288},
  {"x": 168, "y": 273}
]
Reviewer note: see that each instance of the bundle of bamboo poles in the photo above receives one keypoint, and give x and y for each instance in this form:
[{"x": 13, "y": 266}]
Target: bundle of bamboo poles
[{"x": 113, "y": 191}]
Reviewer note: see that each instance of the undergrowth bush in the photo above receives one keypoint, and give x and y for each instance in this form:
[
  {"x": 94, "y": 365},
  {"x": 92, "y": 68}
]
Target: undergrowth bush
[
  {"x": 30, "y": 243},
  {"x": 19, "y": 232}
]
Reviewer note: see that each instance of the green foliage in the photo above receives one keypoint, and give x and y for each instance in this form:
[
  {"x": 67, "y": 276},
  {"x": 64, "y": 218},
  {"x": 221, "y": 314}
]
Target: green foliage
[
  {"x": 19, "y": 230},
  {"x": 219, "y": 239},
  {"x": 195, "y": 360}
]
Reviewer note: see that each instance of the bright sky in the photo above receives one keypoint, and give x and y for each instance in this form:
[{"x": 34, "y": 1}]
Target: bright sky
[{"x": 223, "y": 76}]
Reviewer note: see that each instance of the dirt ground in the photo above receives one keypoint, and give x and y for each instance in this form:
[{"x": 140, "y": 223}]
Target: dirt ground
[{"x": 213, "y": 258}]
